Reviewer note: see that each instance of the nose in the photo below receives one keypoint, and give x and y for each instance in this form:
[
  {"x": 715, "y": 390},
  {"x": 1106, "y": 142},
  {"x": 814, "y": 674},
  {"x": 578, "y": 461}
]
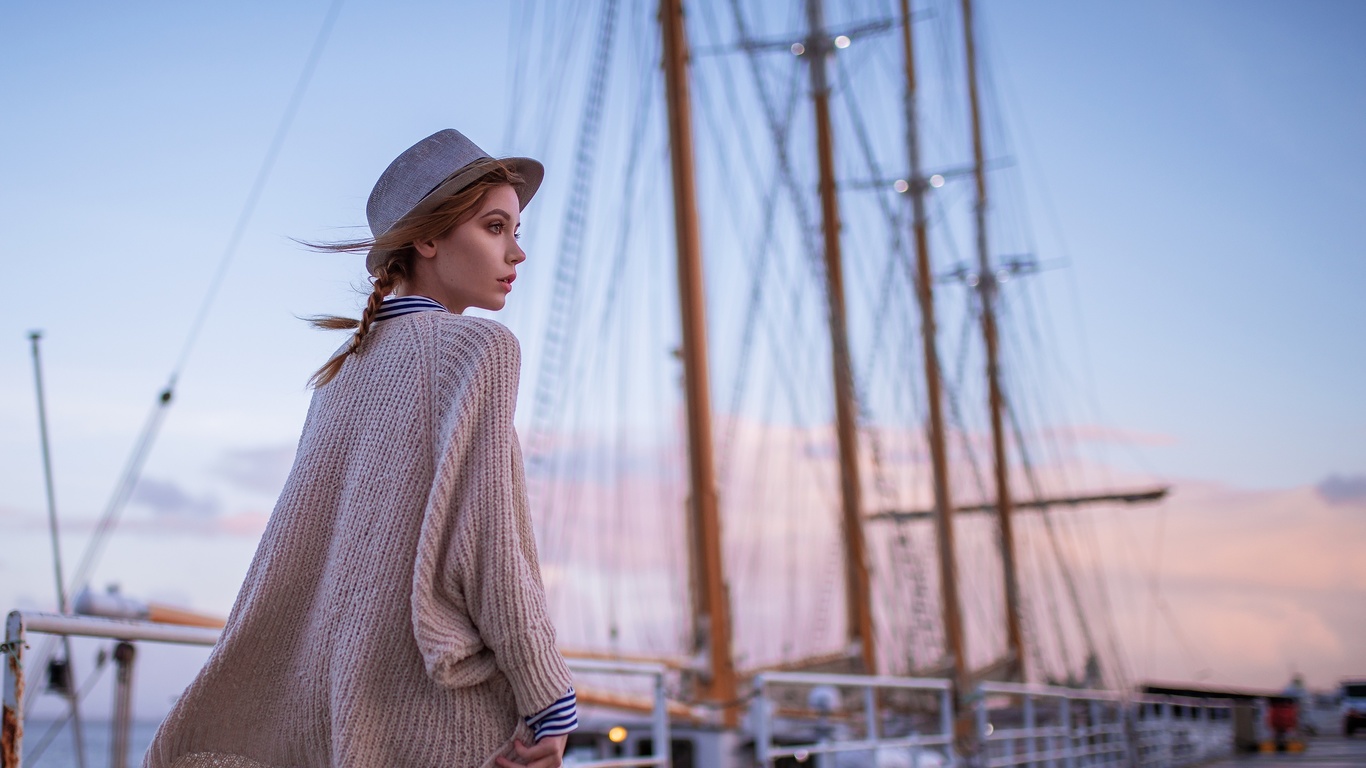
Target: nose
[{"x": 516, "y": 255}]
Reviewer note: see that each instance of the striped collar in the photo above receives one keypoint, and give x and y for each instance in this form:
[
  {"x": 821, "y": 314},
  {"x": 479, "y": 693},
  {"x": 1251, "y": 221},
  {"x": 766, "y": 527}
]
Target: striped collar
[{"x": 398, "y": 306}]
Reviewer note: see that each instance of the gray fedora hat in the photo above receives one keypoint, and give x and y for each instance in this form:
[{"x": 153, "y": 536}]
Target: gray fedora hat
[{"x": 427, "y": 173}]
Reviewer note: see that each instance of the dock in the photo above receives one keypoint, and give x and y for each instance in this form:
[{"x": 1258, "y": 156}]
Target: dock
[{"x": 1320, "y": 752}]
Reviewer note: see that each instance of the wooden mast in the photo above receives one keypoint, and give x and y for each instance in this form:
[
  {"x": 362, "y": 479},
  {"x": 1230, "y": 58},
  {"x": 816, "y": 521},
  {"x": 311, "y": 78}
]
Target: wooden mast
[
  {"x": 943, "y": 506},
  {"x": 986, "y": 286},
  {"x": 858, "y": 597},
  {"x": 711, "y": 606}
]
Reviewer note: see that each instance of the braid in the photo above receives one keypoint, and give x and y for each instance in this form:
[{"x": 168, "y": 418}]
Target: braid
[
  {"x": 387, "y": 275},
  {"x": 384, "y": 281}
]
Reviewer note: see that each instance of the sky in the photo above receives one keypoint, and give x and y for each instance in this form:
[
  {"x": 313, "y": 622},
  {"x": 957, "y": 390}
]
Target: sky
[{"x": 1194, "y": 176}]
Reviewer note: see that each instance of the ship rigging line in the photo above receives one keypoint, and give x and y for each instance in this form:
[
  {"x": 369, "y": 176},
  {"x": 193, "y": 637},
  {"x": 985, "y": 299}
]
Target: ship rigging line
[
  {"x": 562, "y": 318},
  {"x": 133, "y": 470},
  {"x": 152, "y": 427}
]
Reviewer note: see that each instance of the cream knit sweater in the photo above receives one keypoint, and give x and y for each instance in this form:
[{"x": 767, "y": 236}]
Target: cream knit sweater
[{"x": 394, "y": 613}]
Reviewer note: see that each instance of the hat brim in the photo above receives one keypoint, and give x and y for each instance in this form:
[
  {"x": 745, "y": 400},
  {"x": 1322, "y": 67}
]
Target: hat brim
[{"x": 531, "y": 171}]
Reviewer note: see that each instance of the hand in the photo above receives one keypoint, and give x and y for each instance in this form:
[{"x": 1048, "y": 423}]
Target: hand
[{"x": 546, "y": 753}]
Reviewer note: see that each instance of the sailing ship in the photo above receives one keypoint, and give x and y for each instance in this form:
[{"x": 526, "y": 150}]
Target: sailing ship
[
  {"x": 746, "y": 449},
  {"x": 817, "y": 505}
]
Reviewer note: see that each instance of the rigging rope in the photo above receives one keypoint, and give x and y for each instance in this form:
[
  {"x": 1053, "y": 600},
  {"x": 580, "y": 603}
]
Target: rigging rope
[
  {"x": 557, "y": 348},
  {"x": 133, "y": 470},
  {"x": 151, "y": 428}
]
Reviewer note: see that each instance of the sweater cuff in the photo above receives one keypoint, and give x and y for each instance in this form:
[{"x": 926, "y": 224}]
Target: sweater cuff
[
  {"x": 558, "y": 718},
  {"x": 539, "y": 676}
]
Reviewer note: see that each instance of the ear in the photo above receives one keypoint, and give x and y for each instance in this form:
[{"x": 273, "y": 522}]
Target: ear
[{"x": 425, "y": 248}]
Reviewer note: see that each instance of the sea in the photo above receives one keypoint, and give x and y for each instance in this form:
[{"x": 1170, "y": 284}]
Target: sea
[{"x": 60, "y": 751}]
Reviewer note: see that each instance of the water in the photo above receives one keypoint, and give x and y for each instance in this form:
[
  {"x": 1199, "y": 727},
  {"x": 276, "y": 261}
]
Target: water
[{"x": 61, "y": 752}]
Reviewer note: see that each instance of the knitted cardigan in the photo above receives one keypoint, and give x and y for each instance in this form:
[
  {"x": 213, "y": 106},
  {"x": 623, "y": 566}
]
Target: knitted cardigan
[{"x": 394, "y": 613}]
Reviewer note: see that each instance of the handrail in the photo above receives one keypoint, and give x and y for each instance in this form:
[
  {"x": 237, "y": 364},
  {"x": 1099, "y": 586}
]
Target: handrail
[
  {"x": 19, "y": 623},
  {"x": 1065, "y": 727},
  {"x": 762, "y": 712}
]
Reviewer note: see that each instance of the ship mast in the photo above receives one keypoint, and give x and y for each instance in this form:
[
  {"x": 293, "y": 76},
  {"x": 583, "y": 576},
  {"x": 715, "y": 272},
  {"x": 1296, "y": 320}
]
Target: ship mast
[
  {"x": 858, "y": 598},
  {"x": 710, "y": 604},
  {"x": 943, "y": 506},
  {"x": 986, "y": 287}
]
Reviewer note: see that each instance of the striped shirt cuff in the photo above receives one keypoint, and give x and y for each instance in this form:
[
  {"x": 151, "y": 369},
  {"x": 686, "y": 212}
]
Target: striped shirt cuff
[{"x": 557, "y": 719}]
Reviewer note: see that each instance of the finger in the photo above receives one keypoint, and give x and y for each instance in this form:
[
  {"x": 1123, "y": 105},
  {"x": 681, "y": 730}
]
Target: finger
[
  {"x": 538, "y": 750},
  {"x": 503, "y": 762},
  {"x": 549, "y": 761}
]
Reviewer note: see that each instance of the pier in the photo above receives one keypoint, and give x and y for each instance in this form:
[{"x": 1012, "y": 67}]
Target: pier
[{"x": 1320, "y": 752}]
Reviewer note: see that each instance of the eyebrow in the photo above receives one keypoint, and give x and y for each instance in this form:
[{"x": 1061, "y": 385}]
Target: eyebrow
[{"x": 498, "y": 212}]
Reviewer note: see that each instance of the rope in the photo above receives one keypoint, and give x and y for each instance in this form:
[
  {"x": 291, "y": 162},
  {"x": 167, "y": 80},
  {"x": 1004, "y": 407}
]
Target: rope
[
  {"x": 152, "y": 426},
  {"x": 557, "y": 348}
]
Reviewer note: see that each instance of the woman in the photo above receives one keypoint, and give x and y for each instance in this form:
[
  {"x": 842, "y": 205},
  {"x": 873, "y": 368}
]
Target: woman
[{"x": 394, "y": 614}]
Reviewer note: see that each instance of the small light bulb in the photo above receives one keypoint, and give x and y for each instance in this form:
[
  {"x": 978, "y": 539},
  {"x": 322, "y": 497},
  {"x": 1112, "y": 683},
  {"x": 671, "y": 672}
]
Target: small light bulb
[
  {"x": 842, "y": 41},
  {"x": 798, "y": 49},
  {"x": 617, "y": 734},
  {"x": 900, "y": 186},
  {"x": 972, "y": 280},
  {"x": 936, "y": 181}
]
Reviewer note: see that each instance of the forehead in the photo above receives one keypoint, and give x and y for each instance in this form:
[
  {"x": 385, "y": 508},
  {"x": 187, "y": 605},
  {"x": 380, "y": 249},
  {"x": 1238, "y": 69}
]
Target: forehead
[{"x": 503, "y": 197}]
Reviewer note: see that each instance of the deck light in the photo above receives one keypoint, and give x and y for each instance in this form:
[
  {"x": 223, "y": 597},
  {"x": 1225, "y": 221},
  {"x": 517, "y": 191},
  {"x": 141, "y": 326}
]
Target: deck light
[
  {"x": 900, "y": 186},
  {"x": 936, "y": 181},
  {"x": 842, "y": 41},
  {"x": 617, "y": 734},
  {"x": 798, "y": 49}
]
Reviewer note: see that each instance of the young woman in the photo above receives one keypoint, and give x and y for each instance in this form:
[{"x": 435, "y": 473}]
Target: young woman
[{"x": 394, "y": 613}]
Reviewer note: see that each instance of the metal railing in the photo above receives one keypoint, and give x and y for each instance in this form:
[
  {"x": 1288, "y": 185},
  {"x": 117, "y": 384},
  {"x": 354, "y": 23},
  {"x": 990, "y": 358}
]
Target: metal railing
[
  {"x": 20, "y": 623},
  {"x": 1054, "y": 727},
  {"x": 1170, "y": 732},
  {"x": 871, "y": 732},
  {"x": 659, "y": 714},
  {"x": 860, "y": 717},
  {"x": 1015, "y": 725}
]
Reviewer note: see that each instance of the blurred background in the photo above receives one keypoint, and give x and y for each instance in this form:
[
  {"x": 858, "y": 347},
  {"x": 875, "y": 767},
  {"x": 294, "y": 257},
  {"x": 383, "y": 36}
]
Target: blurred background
[{"x": 1173, "y": 200}]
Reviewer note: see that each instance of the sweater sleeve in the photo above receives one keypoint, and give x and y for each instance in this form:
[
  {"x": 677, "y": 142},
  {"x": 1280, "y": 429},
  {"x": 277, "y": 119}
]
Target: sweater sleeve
[{"x": 488, "y": 569}]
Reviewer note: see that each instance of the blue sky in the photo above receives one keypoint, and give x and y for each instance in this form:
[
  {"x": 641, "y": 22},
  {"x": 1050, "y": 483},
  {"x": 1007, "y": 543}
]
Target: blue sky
[
  {"x": 1193, "y": 167},
  {"x": 1204, "y": 163}
]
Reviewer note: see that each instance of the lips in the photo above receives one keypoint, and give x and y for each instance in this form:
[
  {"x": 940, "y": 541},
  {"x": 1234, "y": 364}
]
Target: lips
[{"x": 507, "y": 282}]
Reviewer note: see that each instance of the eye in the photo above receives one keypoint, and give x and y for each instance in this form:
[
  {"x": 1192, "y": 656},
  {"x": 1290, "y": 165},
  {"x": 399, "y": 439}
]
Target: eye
[{"x": 496, "y": 227}]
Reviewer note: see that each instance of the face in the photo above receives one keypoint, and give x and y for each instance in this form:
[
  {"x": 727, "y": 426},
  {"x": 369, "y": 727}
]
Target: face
[{"x": 474, "y": 264}]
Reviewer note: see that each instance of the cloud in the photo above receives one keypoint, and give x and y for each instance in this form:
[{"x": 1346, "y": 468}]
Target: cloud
[
  {"x": 1343, "y": 489},
  {"x": 168, "y": 499},
  {"x": 258, "y": 470}
]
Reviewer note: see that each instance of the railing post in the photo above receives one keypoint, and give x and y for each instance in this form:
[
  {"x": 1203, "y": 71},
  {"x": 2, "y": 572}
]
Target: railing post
[
  {"x": 1097, "y": 741},
  {"x": 1133, "y": 716},
  {"x": 1169, "y": 732},
  {"x": 1031, "y": 724},
  {"x": 1069, "y": 754},
  {"x": 983, "y": 726},
  {"x": 1054, "y": 747},
  {"x": 12, "y": 730},
  {"x": 122, "y": 724},
  {"x": 870, "y": 711},
  {"x": 762, "y": 734},
  {"x": 660, "y": 726}
]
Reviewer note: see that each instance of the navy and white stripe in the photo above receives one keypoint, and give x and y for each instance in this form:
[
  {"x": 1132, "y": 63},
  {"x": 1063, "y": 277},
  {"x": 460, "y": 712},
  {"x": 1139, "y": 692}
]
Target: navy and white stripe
[
  {"x": 398, "y": 306},
  {"x": 558, "y": 718}
]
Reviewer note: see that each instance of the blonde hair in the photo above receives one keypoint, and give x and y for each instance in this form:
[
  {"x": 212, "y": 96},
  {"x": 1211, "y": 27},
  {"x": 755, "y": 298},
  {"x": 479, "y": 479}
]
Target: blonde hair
[{"x": 401, "y": 255}]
